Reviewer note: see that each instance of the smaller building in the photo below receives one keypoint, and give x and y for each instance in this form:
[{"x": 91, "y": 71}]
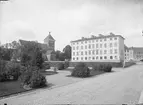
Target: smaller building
[{"x": 134, "y": 53}]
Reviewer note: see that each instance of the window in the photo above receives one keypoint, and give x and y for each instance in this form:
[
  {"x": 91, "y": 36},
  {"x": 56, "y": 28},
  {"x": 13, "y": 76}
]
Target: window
[
  {"x": 116, "y": 57},
  {"x": 85, "y": 41},
  {"x": 77, "y": 47},
  {"x": 93, "y": 52},
  {"x": 92, "y": 45},
  {"x": 96, "y": 45},
  {"x": 76, "y": 58},
  {"x": 73, "y": 48},
  {"x": 89, "y": 58},
  {"x": 73, "y": 58},
  {"x": 81, "y": 42},
  {"x": 81, "y": 53},
  {"x": 111, "y": 57},
  {"x": 85, "y": 52},
  {"x": 97, "y": 57},
  {"x": 100, "y": 57},
  {"x": 110, "y": 38},
  {"x": 77, "y": 42},
  {"x": 115, "y": 51},
  {"x": 97, "y": 40},
  {"x": 89, "y": 41},
  {"x": 89, "y": 52},
  {"x": 105, "y": 57},
  {"x": 92, "y": 40},
  {"x": 110, "y": 51},
  {"x": 93, "y": 58},
  {"x": 100, "y": 40},
  {"x": 105, "y": 51},
  {"x": 81, "y": 58},
  {"x": 100, "y": 45},
  {"x": 115, "y": 38},
  {"x": 110, "y": 44},
  {"x": 105, "y": 45},
  {"x": 81, "y": 47},
  {"x": 115, "y": 44},
  {"x": 76, "y": 53},
  {"x": 89, "y": 46},
  {"x": 97, "y": 52},
  {"x": 85, "y": 58},
  {"x": 101, "y": 52},
  {"x": 73, "y": 43},
  {"x": 85, "y": 47},
  {"x": 73, "y": 53}
]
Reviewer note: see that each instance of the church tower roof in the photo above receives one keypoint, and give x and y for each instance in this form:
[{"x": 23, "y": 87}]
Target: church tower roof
[{"x": 49, "y": 37}]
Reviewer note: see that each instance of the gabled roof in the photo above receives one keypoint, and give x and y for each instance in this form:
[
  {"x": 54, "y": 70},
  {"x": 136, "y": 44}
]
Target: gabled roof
[{"x": 49, "y": 37}]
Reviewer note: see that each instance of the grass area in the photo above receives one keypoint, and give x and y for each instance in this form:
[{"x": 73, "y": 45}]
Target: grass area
[{"x": 11, "y": 87}]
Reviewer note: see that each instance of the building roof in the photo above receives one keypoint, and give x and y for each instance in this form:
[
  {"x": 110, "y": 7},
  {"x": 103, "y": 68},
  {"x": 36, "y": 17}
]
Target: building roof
[
  {"x": 49, "y": 37},
  {"x": 126, "y": 48},
  {"x": 98, "y": 37},
  {"x": 43, "y": 46},
  {"x": 137, "y": 49}
]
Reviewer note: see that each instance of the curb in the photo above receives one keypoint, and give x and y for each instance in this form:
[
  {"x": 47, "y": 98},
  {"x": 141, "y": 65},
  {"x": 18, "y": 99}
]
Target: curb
[{"x": 141, "y": 98}]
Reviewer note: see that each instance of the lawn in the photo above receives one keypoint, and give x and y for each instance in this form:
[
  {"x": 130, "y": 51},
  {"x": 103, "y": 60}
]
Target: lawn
[{"x": 8, "y": 88}]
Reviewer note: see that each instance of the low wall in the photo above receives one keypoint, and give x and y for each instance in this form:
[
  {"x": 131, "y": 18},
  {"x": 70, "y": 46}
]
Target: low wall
[
  {"x": 89, "y": 64},
  {"x": 128, "y": 64}
]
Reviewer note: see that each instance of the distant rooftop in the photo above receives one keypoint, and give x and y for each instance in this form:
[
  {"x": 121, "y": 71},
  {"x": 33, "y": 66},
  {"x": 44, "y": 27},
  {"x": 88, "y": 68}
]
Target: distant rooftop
[
  {"x": 49, "y": 37},
  {"x": 98, "y": 37},
  {"x": 136, "y": 48}
]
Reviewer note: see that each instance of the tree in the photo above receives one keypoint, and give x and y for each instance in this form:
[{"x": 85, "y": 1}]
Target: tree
[
  {"x": 67, "y": 52},
  {"x": 57, "y": 54}
]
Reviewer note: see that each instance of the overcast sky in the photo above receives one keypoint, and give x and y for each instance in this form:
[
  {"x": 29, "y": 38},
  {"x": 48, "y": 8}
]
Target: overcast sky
[{"x": 71, "y": 19}]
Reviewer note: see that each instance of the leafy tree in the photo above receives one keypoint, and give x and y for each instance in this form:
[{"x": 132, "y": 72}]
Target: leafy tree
[{"x": 67, "y": 52}]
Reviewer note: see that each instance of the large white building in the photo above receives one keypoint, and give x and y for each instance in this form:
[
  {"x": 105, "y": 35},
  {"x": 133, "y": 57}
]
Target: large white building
[{"x": 109, "y": 48}]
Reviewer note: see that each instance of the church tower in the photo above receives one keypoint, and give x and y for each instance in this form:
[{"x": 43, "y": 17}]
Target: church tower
[{"x": 50, "y": 41}]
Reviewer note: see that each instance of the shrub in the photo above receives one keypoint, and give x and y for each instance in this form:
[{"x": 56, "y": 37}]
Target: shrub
[
  {"x": 12, "y": 70},
  {"x": 3, "y": 77},
  {"x": 2, "y": 65},
  {"x": 46, "y": 65},
  {"x": 32, "y": 77},
  {"x": 60, "y": 66},
  {"x": 81, "y": 70},
  {"x": 108, "y": 68},
  {"x": 66, "y": 64},
  {"x": 37, "y": 80}
]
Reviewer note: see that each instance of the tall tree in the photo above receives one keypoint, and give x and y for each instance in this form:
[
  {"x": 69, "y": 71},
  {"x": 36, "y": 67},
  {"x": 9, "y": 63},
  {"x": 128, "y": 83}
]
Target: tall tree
[{"x": 67, "y": 52}]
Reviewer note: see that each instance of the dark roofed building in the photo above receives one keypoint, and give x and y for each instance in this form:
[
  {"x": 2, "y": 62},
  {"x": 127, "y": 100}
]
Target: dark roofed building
[{"x": 47, "y": 47}]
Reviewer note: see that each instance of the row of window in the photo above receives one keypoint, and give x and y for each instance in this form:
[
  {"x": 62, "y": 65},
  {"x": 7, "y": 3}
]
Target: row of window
[
  {"x": 95, "y": 52},
  {"x": 97, "y": 40},
  {"x": 93, "y": 46},
  {"x": 94, "y": 58}
]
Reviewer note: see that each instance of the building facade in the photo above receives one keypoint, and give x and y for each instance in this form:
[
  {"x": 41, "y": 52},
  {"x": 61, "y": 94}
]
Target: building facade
[
  {"x": 109, "y": 48},
  {"x": 134, "y": 54}
]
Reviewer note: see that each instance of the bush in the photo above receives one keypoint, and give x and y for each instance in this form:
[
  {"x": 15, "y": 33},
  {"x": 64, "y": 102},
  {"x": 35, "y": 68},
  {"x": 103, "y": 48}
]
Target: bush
[
  {"x": 108, "y": 68},
  {"x": 12, "y": 70},
  {"x": 66, "y": 64},
  {"x": 46, "y": 65},
  {"x": 60, "y": 66},
  {"x": 2, "y": 66},
  {"x": 32, "y": 77},
  {"x": 3, "y": 77},
  {"x": 37, "y": 80},
  {"x": 81, "y": 70}
]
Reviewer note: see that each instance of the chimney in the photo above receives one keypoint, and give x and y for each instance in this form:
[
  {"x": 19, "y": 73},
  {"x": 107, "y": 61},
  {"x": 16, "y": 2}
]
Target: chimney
[{"x": 112, "y": 34}]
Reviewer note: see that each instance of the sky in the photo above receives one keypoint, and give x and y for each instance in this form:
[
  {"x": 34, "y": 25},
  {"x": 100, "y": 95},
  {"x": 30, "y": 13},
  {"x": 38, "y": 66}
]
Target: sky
[{"x": 69, "y": 20}]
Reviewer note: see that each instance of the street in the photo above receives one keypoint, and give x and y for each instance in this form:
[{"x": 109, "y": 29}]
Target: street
[{"x": 117, "y": 87}]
